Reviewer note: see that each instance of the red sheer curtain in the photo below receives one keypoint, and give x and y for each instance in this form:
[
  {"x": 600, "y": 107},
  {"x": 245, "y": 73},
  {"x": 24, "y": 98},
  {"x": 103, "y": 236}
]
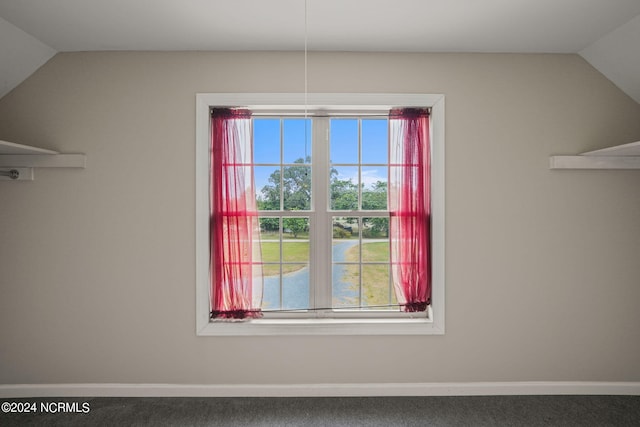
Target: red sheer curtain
[
  {"x": 409, "y": 205},
  {"x": 236, "y": 272}
]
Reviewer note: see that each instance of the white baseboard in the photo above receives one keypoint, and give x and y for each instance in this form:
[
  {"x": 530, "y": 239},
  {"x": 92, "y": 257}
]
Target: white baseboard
[{"x": 319, "y": 390}]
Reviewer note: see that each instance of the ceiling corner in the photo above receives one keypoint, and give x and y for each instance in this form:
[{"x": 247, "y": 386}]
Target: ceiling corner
[
  {"x": 617, "y": 56},
  {"x": 21, "y": 55}
]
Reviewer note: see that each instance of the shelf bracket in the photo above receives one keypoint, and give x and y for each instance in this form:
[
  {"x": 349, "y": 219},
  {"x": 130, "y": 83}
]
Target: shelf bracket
[{"x": 16, "y": 174}]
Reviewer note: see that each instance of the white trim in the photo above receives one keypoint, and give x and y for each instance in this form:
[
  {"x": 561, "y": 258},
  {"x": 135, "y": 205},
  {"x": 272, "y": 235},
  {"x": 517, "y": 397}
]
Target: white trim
[
  {"x": 438, "y": 214},
  {"x": 319, "y": 101},
  {"x": 320, "y": 326},
  {"x": 631, "y": 149},
  {"x": 322, "y": 390},
  {"x": 202, "y": 209},
  {"x": 433, "y": 325},
  {"x": 7, "y": 147},
  {"x": 594, "y": 162},
  {"x": 626, "y": 156},
  {"x": 43, "y": 160}
]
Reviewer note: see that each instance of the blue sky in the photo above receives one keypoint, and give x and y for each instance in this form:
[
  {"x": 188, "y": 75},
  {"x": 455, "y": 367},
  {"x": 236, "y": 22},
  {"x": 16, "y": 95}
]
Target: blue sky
[{"x": 343, "y": 146}]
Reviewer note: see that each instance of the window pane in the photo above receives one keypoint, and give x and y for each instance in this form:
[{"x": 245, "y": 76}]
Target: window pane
[
  {"x": 296, "y": 182},
  {"x": 267, "y": 187},
  {"x": 346, "y": 286},
  {"x": 295, "y": 286},
  {"x": 344, "y": 141},
  {"x": 295, "y": 239},
  {"x": 297, "y": 140},
  {"x": 295, "y": 228},
  {"x": 374, "y": 191},
  {"x": 271, "y": 269},
  {"x": 271, "y": 254},
  {"x": 295, "y": 251},
  {"x": 376, "y": 289},
  {"x": 266, "y": 139},
  {"x": 375, "y": 240},
  {"x": 270, "y": 240},
  {"x": 271, "y": 290},
  {"x": 345, "y": 229},
  {"x": 374, "y": 141},
  {"x": 344, "y": 188}
]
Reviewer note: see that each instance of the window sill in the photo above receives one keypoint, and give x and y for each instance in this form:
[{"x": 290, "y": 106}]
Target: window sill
[{"x": 256, "y": 327}]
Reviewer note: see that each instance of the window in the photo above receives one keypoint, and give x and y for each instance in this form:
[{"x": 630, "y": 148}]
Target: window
[
  {"x": 321, "y": 185},
  {"x": 303, "y": 199}
]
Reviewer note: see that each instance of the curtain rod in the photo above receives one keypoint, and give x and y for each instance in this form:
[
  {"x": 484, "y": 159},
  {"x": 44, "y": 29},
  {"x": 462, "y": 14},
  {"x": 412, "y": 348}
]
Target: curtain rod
[{"x": 375, "y": 112}]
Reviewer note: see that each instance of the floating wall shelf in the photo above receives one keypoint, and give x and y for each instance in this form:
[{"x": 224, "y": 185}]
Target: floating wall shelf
[
  {"x": 625, "y": 156},
  {"x": 17, "y": 161}
]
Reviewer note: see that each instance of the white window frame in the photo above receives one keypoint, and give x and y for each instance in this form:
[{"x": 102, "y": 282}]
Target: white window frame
[{"x": 431, "y": 324}]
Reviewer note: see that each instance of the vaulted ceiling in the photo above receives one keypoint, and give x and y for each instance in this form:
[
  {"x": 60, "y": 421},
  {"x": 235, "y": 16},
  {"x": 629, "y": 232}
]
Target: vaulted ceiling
[{"x": 605, "y": 32}]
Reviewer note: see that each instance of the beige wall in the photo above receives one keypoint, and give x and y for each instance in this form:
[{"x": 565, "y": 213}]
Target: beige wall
[{"x": 97, "y": 265}]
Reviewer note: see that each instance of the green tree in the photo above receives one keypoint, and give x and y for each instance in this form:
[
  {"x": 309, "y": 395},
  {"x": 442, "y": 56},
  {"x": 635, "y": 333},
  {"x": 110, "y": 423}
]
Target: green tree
[
  {"x": 295, "y": 225},
  {"x": 376, "y": 197},
  {"x": 376, "y": 227},
  {"x": 270, "y": 198},
  {"x": 344, "y": 195},
  {"x": 343, "y": 192},
  {"x": 296, "y": 188},
  {"x": 269, "y": 223},
  {"x": 296, "y": 193}
]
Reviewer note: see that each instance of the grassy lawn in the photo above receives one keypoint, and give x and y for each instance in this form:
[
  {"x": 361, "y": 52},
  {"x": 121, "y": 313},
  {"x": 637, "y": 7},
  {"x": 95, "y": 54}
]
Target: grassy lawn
[
  {"x": 291, "y": 252},
  {"x": 375, "y": 251},
  {"x": 375, "y": 277}
]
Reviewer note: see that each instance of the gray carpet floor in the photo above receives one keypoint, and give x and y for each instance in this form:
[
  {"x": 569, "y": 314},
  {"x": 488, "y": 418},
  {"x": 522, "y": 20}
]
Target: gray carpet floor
[{"x": 349, "y": 411}]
